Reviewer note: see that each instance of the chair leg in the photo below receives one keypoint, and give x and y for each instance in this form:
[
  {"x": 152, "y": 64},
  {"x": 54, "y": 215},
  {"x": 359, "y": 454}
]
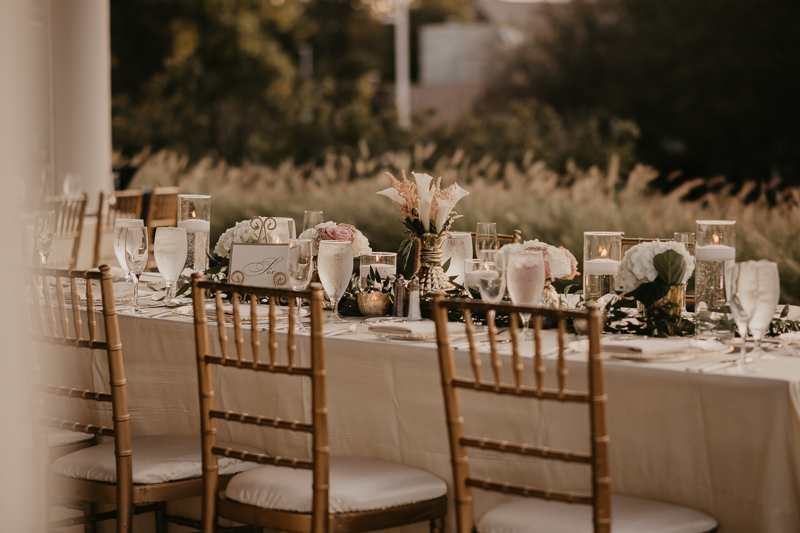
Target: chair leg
[
  {"x": 161, "y": 524},
  {"x": 437, "y": 525},
  {"x": 89, "y": 509}
]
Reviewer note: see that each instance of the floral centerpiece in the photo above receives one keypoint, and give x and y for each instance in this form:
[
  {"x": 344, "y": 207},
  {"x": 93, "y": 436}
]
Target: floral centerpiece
[
  {"x": 654, "y": 273},
  {"x": 559, "y": 263},
  {"x": 331, "y": 231},
  {"x": 428, "y": 212}
]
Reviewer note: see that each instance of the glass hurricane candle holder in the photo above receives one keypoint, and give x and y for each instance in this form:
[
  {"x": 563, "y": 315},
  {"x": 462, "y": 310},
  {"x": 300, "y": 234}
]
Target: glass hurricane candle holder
[
  {"x": 715, "y": 252},
  {"x": 602, "y": 253},
  {"x": 194, "y": 215},
  {"x": 384, "y": 263},
  {"x": 688, "y": 240}
]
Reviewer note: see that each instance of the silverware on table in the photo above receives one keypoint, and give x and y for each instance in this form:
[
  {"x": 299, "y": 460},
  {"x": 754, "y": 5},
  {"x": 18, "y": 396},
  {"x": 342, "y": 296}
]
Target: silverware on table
[{"x": 718, "y": 365}]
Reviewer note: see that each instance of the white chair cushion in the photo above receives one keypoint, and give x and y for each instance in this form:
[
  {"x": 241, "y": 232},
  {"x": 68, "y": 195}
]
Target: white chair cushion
[
  {"x": 156, "y": 459},
  {"x": 628, "y": 515},
  {"x": 355, "y": 485},
  {"x": 62, "y": 437}
]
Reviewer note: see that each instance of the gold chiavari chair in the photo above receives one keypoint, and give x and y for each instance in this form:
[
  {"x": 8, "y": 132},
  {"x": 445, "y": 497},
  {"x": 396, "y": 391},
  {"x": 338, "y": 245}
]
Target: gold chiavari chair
[
  {"x": 317, "y": 495},
  {"x": 166, "y": 467},
  {"x": 70, "y": 211},
  {"x": 162, "y": 211},
  {"x": 543, "y": 509},
  {"x": 120, "y": 204}
]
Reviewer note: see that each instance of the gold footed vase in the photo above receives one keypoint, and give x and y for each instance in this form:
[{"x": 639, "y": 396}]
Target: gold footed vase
[
  {"x": 430, "y": 272},
  {"x": 675, "y": 296}
]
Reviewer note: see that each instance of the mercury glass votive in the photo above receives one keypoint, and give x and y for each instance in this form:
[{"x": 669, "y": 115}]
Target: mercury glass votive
[
  {"x": 194, "y": 215},
  {"x": 602, "y": 253},
  {"x": 715, "y": 252},
  {"x": 384, "y": 263}
]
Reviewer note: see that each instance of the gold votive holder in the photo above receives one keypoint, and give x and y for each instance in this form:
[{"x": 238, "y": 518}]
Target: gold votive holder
[{"x": 372, "y": 304}]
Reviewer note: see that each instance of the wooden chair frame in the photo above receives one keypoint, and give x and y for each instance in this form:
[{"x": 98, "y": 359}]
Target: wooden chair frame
[
  {"x": 126, "y": 204},
  {"x": 320, "y": 520},
  {"x": 69, "y": 211},
  {"x": 595, "y": 398},
  {"x": 56, "y": 328}
]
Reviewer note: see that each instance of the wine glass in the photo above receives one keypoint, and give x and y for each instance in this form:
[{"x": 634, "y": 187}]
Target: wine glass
[
  {"x": 742, "y": 285},
  {"x": 45, "y": 233},
  {"x": 485, "y": 237},
  {"x": 525, "y": 281},
  {"x": 119, "y": 241},
  {"x": 301, "y": 264},
  {"x": 311, "y": 219},
  {"x": 136, "y": 254},
  {"x": 335, "y": 264},
  {"x": 170, "y": 253},
  {"x": 769, "y": 292},
  {"x": 492, "y": 283}
]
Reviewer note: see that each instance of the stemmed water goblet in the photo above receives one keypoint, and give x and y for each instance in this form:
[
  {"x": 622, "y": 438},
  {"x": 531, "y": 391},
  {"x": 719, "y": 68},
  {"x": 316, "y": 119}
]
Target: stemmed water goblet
[
  {"x": 769, "y": 292},
  {"x": 44, "y": 232},
  {"x": 335, "y": 265},
  {"x": 119, "y": 241},
  {"x": 170, "y": 248},
  {"x": 311, "y": 219},
  {"x": 525, "y": 281},
  {"x": 301, "y": 265},
  {"x": 485, "y": 237},
  {"x": 742, "y": 299},
  {"x": 136, "y": 254}
]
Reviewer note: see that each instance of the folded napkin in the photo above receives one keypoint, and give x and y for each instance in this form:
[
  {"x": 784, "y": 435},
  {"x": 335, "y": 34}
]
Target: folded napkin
[
  {"x": 417, "y": 328},
  {"x": 649, "y": 346},
  {"x": 151, "y": 277},
  {"x": 122, "y": 289}
]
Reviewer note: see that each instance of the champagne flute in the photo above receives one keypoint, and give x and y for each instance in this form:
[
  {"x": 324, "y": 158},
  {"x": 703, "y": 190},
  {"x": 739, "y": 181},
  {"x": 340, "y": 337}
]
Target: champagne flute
[
  {"x": 45, "y": 234},
  {"x": 136, "y": 254},
  {"x": 485, "y": 237},
  {"x": 525, "y": 281},
  {"x": 335, "y": 264},
  {"x": 742, "y": 299},
  {"x": 769, "y": 292},
  {"x": 311, "y": 219},
  {"x": 119, "y": 241},
  {"x": 301, "y": 263},
  {"x": 170, "y": 253}
]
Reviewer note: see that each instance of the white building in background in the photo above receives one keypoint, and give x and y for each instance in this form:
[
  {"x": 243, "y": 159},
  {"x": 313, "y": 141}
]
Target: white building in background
[{"x": 457, "y": 60}]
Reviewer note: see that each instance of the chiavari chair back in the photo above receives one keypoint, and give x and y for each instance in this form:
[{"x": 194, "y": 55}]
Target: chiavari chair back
[
  {"x": 166, "y": 468},
  {"x": 545, "y": 506},
  {"x": 120, "y": 204},
  {"x": 69, "y": 211},
  {"x": 297, "y": 493},
  {"x": 162, "y": 211}
]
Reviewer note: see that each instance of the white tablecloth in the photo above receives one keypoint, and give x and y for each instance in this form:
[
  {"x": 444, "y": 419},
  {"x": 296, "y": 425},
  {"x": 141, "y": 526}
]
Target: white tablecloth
[{"x": 727, "y": 445}]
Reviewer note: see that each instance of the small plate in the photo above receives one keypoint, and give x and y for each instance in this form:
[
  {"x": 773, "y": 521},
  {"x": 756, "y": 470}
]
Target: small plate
[
  {"x": 281, "y": 313},
  {"x": 792, "y": 337},
  {"x": 453, "y": 333}
]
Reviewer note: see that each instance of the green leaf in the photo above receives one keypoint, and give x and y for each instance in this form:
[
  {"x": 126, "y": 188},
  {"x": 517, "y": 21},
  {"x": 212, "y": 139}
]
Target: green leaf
[
  {"x": 785, "y": 311},
  {"x": 446, "y": 265},
  {"x": 670, "y": 267},
  {"x": 650, "y": 293},
  {"x": 406, "y": 247}
]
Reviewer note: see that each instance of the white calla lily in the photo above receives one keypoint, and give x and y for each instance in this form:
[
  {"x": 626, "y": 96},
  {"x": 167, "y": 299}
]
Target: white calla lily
[
  {"x": 392, "y": 194},
  {"x": 425, "y": 201},
  {"x": 457, "y": 193},
  {"x": 445, "y": 207}
]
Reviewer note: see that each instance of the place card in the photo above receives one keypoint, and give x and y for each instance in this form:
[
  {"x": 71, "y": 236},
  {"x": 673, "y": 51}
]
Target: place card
[{"x": 259, "y": 265}]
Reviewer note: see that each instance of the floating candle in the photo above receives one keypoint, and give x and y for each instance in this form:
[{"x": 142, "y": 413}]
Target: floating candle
[
  {"x": 600, "y": 267},
  {"x": 195, "y": 224},
  {"x": 715, "y": 252}
]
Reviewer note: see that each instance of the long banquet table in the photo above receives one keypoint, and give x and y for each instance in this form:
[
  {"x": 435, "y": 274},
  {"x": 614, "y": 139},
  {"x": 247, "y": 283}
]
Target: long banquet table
[{"x": 725, "y": 444}]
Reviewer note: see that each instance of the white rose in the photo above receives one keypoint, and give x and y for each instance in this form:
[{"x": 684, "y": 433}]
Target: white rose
[
  {"x": 223, "y": 247},
  {"x": 360, "y": 244},
  {"x": 501, "y": 257},
  {"x": 559, "y": 263}
]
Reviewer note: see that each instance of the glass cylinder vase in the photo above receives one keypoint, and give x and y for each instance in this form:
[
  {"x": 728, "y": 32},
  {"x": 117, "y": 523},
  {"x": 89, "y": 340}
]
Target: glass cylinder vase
[
  {"x": 715, "y": 252},
  {"x": 194, "y": 215},
  {"x": 602, "y": 253}
]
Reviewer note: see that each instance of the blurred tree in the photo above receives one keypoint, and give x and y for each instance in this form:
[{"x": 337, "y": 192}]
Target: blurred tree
[{"x": 712, "y": 84}]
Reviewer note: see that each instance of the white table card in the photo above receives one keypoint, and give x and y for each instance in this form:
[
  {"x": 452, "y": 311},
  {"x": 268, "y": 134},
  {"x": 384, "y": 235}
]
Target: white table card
[{"x": 260, "y": 265}]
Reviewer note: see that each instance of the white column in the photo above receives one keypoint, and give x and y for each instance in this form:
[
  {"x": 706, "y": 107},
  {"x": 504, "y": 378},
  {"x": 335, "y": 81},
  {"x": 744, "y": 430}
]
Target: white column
[
  {"x": 81, "y": 94},
  {"x": 402, "y": 54}
]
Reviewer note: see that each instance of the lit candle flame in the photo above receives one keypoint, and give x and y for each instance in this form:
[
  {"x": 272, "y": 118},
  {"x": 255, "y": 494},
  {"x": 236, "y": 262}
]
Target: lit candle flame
[
  {"x": 194, "y": 213},
  {"x": 603, "y": 252},
  {"x": 715, "y": 238}
]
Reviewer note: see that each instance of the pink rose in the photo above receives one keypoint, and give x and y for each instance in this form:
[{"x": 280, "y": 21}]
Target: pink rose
[
  {"x": 573, "y": 263},
  {"x": 339, "y": 233}
]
